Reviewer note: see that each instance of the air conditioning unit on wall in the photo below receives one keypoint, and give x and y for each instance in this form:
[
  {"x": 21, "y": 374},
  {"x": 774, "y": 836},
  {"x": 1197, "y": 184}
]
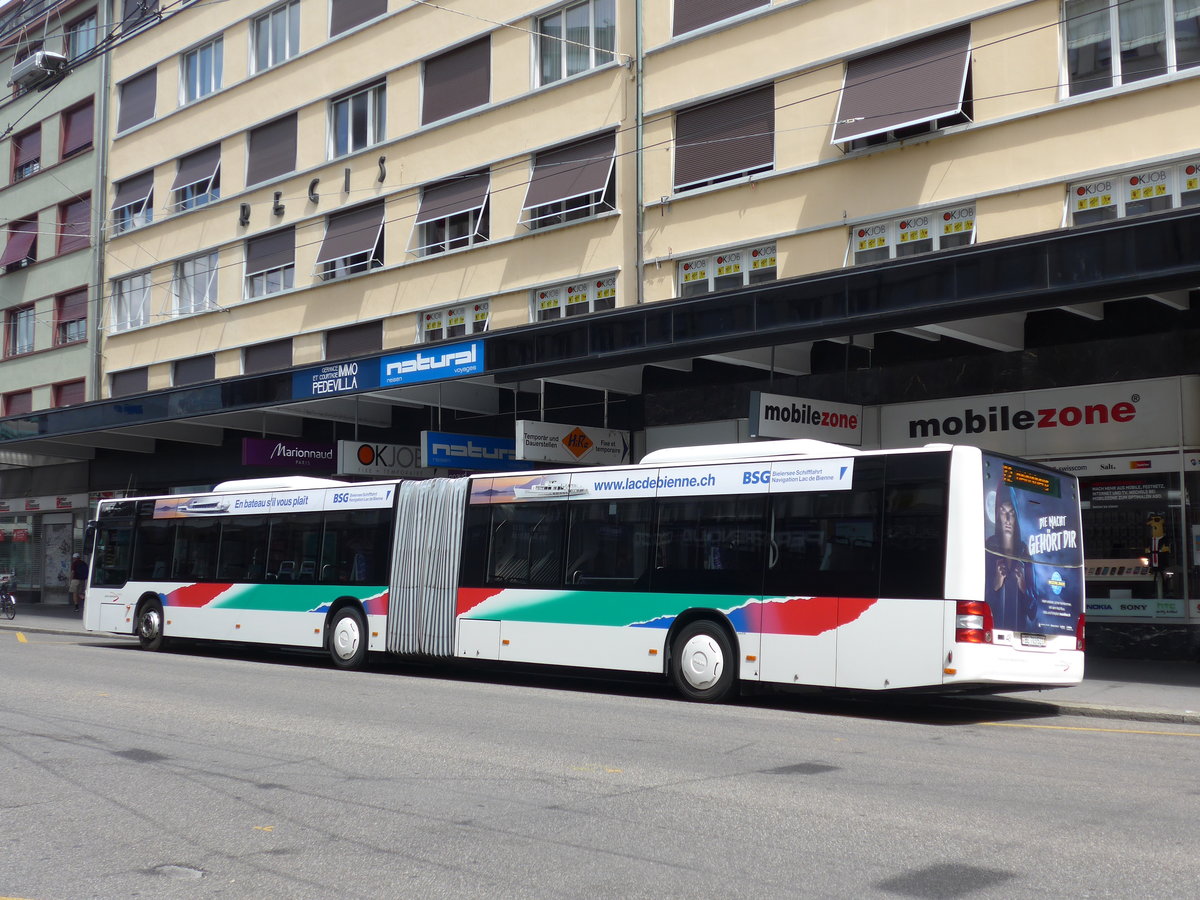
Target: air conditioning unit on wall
[{"x": 36, "y": 68}]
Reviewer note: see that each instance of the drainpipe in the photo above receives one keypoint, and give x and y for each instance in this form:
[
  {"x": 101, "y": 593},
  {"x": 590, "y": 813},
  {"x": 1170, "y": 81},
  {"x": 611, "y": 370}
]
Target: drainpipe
[
  {"x": 99, "y": 205},
  {"x": 640, "y": 264}
]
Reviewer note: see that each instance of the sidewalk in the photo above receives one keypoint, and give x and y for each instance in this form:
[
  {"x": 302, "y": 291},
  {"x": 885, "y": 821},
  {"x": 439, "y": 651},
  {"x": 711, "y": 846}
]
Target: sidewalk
[{"x": 1135, "y": 690}]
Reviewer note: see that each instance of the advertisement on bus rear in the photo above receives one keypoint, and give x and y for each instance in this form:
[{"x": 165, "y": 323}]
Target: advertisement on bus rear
[{"x": 1034, "y": 548}]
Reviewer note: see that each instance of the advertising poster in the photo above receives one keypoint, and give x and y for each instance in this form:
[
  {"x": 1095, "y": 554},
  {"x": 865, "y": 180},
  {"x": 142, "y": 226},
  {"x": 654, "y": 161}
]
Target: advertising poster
[{"x": 1034, "y": 549}]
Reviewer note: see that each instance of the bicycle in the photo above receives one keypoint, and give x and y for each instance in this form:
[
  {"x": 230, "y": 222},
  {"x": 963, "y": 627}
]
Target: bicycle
[{"x": 8, "y": 603}]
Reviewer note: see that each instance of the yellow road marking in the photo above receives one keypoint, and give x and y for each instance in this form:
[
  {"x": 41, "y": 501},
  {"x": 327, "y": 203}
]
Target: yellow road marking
[
  {"x": 264, "y": 827},
  {"x": 1080, "y": 728},
  {"x": 21, "y": 638}
]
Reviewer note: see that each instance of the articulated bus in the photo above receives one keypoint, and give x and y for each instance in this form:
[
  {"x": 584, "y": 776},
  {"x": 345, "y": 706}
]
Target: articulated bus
[{"x": 792, "y": 563}]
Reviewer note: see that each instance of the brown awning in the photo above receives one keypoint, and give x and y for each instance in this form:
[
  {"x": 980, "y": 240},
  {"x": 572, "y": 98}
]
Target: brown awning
[
  {"x": 725, "y": 137},
  {"x": 905, "y": 85},
  {"x": 574, "y": 171},
  {"x": 272, "y": 150},
  {"x": 457, "y": 80},
  {"x": 137, "y": 99},
  {"x": 693, "y": 14},
  {"x": 76, "y": 220},
  {"x": 78, "y": 124},
  {"x": 271, "y": 251},
  {"x": 27, "y": 147},
  {"x": 133, "y": 190},
  {"x": 345, "y": 14},
  {"x": 454, "y": 196},
  {"x": 351, "y": 233},
  {"x": 197, "y": 167},
  {"x": 19, "y": 246}
]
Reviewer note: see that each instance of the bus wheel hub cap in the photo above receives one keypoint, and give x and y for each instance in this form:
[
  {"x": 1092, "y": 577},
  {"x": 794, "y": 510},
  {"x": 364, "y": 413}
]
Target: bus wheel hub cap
[{"x": 701, "y": 661}]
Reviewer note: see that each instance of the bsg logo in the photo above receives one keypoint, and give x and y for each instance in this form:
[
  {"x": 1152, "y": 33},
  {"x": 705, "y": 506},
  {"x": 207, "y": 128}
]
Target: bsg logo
[
  {"x": 915, "y": 222},
  {"x": 762, "y": 476},
  {"x": 341, "y": 498},
  {"x": 872, "y": 230},
  {"x": 1096, "y": 187}
]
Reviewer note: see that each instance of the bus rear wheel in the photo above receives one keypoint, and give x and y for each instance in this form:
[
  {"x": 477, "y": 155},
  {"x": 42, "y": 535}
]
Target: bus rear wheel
[
  {"x": 702, "y": 662},
  {"x": 348, "y": 639},
  {"x": 150, "y": 626}
]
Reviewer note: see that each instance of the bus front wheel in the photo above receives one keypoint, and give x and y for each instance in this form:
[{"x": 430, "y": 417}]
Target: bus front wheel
[
  {"x": 348, "y": 639},
  {"x": 702, "y": 662},
  {"x": 150, "y": 625}
]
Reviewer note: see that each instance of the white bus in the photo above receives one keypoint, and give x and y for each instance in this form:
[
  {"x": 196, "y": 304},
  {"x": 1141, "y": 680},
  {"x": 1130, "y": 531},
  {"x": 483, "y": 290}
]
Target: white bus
[{"x": 785, "y": 563}]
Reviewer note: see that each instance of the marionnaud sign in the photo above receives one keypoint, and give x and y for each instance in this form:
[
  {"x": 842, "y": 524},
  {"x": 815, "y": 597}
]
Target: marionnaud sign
[
  {"x": 335, "y": 378},
  {"x": 432, "y": 364},
  {"x": 381, "y": 460},
  {"x": 286, "y": 454},
  {"x": 776, "y": 416},
  {"x": 470, "y": 451},
  {"x": 1124, "y": 416},
  {"x": 571, "y": 444}
]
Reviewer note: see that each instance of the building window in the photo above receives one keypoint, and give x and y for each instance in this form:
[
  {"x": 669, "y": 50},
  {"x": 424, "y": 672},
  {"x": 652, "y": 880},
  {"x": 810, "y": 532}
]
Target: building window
[
  {"x": 21, "y": 248},
  {"x": 345, "y": 14},
  {"x": 77, "y": 126},
  {"x": 457, "y": 80},
  {"x": 200, "y": 71},
  {"x": 1135, "y": 193},
  {"x": 138, "y": 95},
  {"x": 74, "y": 224},
  {"x": 727, "y": 270},
  {"x": 575, "y": 38},
  {"x": 70, "y": 317},
  {"x": 725, "y": 139},
  {"x": 267, "y": 357},
  {"x": 70, "y": 393},
  {"x": 271, "y": 263},
  {"x": 353, "y": 242},
  {"x": 357, "y": 120},
  {"x": 195, "y": 284},
  {"x": 272, "y": 150},
  {"x": 1120, "y": 43},
  {"x": 575, "y": 299},
  {"x": 276, "y": 35},
  {"x": 453, "y": 214},
  {"x": 455, "y": 321},
  {"x": 913, "y": 88},
  {"x": 354, "y": 340},
  {"x": 693, "y": 14},
  {"x": 921, "y": 232},
  {"x": 571, "y": 183},
  {"x": 18, "y": 403},
  {"x": 133, "y": 203},
  {"x": 18, "y": 331},
  {"x": 80, "y": 37},
  {"x": 27, "y": 153},
  {"x": 198, "y": 178},
  {"x": 131, "y": 302}
]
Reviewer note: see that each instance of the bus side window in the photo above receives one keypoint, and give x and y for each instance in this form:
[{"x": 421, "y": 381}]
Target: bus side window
[
  {"x": 354, "y": 549},
  {"x": 711, "y": 545},
  {"x": 152, "y": 553},
  {"x": 914, "y": 526},
  {"x": 608, "y": 544},
  {"x": 526, "y": 544},
  {"x": 196, "y": 542},
  {"x": 114, "y": 545}
]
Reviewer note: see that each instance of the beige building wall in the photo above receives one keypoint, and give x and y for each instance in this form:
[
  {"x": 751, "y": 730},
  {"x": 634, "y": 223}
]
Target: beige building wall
[{"x": 1027, "y": 141}]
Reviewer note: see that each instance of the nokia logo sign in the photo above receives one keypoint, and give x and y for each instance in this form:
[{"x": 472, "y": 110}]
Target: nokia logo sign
[{"x": 1002, "y": 418}]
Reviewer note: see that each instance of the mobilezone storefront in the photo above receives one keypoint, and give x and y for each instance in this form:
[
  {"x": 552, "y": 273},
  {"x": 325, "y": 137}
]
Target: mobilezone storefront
[{"x": 1135, "y": 447}]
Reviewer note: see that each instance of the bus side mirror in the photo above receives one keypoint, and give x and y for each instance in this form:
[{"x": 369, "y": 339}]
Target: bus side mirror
[{"x": 89, "y": 539}]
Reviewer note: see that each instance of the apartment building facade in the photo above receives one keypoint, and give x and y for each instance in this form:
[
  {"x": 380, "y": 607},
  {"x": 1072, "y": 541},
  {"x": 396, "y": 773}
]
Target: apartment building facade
[
  {"x": 369, "y": 221},
  {"x": 49, "y": 177}
]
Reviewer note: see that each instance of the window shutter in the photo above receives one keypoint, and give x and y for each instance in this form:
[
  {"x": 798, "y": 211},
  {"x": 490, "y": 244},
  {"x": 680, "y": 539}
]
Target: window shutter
[
  {"x": 354, "y": 340},
  {"x": 453, "y": 196},
  {"x": 197, "y": 167},
  {"x": 271, "y": 251},
  {"x": 574, "y": 171},
  {"x": 693, "y": 14},
  {"x": 131, "y": 381},
  {"x": 77, "y": 129},
  {"x": 75, "y": 225},
  {"x": 353, "y": 232},
  {"x": 458, "y": 80},
  {"x": 272, "y": 150},
  {"x": 27, "y": 147},
  {"x": 195, "y": 369},
  {"x": 133, "y": 190},
  {"x": 345, "y": 14},
  {"x": 137, "y": 99},
  {"x": 725, "y": 137},
  {"x": 268, "y": 357}
]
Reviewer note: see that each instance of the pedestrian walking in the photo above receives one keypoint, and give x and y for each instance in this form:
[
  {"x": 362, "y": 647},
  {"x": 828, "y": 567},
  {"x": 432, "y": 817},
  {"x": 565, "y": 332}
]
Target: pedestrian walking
[{"x": 78, "y": 580}]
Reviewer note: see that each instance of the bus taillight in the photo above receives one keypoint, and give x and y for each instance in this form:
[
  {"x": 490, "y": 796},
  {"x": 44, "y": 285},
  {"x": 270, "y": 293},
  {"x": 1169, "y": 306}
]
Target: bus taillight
[
  {"x": 1079, "y": 634},
  {"x": 973, "y": 622}
]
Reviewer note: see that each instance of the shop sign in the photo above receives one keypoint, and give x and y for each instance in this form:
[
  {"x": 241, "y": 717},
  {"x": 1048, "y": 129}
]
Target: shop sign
[
  {"x": 470, "y": 451},
  {"x": 1128, "y": 607},
  {"x": 450, "y": 361},
  {"x": 1117, "y": 466},
  {"x": 571, "y": 444},
  {"x": 43, "y": 504},
  {"x": 381, "y": 460},
  {"x": 335, "y": 378},
  {"x": 20, "y": 535},
  {"x": 287, "y": 454},
  {"x": 1121, "y": 416},
  {"x": 776, "y": 416}
]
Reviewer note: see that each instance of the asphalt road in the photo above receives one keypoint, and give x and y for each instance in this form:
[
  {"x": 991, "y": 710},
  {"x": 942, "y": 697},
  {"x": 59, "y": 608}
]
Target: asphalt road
[{"x": 245, "y": 774}]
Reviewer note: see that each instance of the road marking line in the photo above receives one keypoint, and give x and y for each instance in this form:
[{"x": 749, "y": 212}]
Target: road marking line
[
  {"x": 1080, "y": 728},
  {"x": 21, "y": 639}
]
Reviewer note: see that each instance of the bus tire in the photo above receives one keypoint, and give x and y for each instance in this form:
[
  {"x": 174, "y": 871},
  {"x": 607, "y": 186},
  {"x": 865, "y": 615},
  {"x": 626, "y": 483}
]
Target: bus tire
[
  {"x": 703, "y": 662},
  {"x": 150, "y": 626},
  {"x": 348, "y": 639}
]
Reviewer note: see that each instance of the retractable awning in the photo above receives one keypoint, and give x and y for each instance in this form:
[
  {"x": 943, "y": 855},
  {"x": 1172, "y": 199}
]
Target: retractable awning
[
  {"x": 352, "y": 233},
  {"x": 573, "y": 171},
  {"x": 196, "y": 168}
]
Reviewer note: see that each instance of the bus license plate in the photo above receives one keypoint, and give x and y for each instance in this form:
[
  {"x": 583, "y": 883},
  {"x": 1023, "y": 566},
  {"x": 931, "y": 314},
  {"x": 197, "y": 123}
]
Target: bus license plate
[{"x": 1033, "y": 640}]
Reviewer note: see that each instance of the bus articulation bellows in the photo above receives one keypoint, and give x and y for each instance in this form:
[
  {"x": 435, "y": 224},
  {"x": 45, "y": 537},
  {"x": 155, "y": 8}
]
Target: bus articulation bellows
[{"x": 787, "y": 563}]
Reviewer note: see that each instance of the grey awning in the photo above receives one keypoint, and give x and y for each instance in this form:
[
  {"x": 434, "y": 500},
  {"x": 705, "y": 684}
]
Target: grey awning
[
  {"x": 197, "y": 167},
  {"x": 134, "y": 190},
  {"x": 454, "y": 196},
  {"x": 574, "y": 171},
  {"x": 352, "y": 233},
  {"x": 905, "y": 85}
]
